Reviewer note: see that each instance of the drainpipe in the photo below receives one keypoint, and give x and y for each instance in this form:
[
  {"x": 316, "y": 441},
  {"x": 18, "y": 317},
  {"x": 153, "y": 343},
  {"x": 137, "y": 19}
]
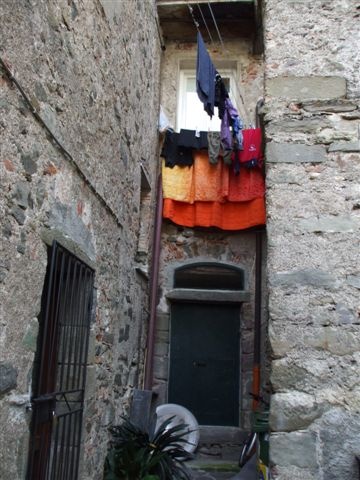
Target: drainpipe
[
  {"x": 148, "y": 381},
  {"x": 257, "y": 322},
  {"x": 258, "y": 294}
]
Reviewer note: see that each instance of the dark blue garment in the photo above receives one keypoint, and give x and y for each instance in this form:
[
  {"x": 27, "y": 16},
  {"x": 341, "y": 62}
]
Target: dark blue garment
[{"x": 205, "y": 77}]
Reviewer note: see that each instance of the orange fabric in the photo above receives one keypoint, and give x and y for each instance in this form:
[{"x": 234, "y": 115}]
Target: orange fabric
[
  {"x": 177, "y": 183},
  {"x": 227, "y": 216},
  {"x": 249, "y": 184},
  {"x": 211, "y": 182}
]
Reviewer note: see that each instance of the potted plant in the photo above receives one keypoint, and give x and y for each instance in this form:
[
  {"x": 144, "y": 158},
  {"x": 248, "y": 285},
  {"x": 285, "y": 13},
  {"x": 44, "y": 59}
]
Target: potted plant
[{"x": 134, "y": 454}]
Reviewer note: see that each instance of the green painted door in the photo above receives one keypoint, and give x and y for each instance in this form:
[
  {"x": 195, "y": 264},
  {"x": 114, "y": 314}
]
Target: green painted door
[{"x": 204, "y": 361}]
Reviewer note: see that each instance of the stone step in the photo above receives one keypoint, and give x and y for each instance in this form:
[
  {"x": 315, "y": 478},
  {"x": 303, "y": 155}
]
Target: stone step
[
  {"x": 221, "y": 435},
  {"x": 220, "y": 443},
  {"x": 212, "y": 469}
]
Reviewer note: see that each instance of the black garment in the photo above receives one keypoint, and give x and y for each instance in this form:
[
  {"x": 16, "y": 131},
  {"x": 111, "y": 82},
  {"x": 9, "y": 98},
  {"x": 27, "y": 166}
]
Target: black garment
[
  {"x": 221, "y": 94},
  {"x": 187, "y": 138},
  {"x": 205, "y": 76},
  {"x": 175, "y": 154}
]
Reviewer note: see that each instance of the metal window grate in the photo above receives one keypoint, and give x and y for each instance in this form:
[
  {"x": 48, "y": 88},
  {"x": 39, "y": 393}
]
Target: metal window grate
[{"x": 59, "y": 394}]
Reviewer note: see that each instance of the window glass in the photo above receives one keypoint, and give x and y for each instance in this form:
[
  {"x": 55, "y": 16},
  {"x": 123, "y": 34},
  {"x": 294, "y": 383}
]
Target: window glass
[{"x": 191, "y": 114}]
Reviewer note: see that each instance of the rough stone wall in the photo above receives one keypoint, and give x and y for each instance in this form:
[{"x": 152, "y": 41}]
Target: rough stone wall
[
  {"x": 91, "y": 69},
  {"x": 313, "y": 171},
  {"x": 184, "y": 245}
]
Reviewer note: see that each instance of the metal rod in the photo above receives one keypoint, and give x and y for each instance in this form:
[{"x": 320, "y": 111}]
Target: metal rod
[
  {"x": 64, "y": 326},
  {"x": 205, "y": 23},
  {"x": 216, "y": 25},
  {"x": 257, "y": 321},
  {"x": 153, "y": 288}
]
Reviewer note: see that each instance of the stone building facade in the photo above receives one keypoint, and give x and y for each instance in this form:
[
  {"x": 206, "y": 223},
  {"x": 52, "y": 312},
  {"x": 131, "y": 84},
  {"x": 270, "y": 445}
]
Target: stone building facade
[
  {"x": 312, "y": 89},
  {"x": 91, "y": 70}
]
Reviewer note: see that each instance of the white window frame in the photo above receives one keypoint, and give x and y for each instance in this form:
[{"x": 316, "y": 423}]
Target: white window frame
[{"x": 184, "y": 75}]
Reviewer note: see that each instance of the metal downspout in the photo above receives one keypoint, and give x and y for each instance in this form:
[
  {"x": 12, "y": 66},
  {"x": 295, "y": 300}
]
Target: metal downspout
[
  {"x": 258, "y": 292},
  {"x": 257, "y": 321},
  {"x": 148, "y": 381}
]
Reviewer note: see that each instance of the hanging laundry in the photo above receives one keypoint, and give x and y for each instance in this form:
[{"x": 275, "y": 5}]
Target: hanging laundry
[
  {"x": 177, "y": 183},
  {"x": 215, "y": 149},
  {"x": 251, "y": 155},
  {"x": 252, "y": 148},
  {"x": 193, "y": 139},
  {"x": 226, "y": 216},
  {"x": 175, "y": 154},
  {"x": 211, "y": 182},
  {"x": 248, "y": 185},
  {"x": 230, "y": 118},
  {"x": 205, "y": 77},
  {"x": 221, "y": 94}
]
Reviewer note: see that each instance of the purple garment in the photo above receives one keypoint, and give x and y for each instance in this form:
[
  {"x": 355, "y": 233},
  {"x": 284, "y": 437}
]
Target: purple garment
[
  {"x": 229, "y": 115},
  {"x": 205, "y": 77}
]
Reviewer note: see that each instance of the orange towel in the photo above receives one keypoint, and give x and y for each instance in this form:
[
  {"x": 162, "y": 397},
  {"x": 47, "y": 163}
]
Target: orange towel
[
  {"x": 211, "y": 182},
  {"x": 226, "y": 216},
  {"x": 249, "y": 184},
  {"x": 177, "y": 183}
]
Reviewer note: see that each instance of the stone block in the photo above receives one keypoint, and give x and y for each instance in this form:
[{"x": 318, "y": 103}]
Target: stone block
[
  {"x": 339, "y": 432},
  {"x": 294, "y": 449},
  {"x": 160, "y": 368},
  {"x": 353, "y": 280},
  {"x": 22, "y": 194},
  {"x": 18, "y": 214},
  {"x": 31, "y": 334},
  {"x": 294, "y": 153},
  {"x": 330, "y": 224},
  {"x": 8, "y": 377},
  {"x": 289, "y": 126},
  {"x": 306, "y": 88},
  {"x": 344, "y": 314},
  {"x": 162, "y": 321},
  {"x": 337, "y": 340},
  {"x": 293, "y": 411},
  {"x": 345, "y": 147},
  {"x": 332, "y": 106},
  {"x": 311, "y": 277},
  {"x": 29, "y": 161},
  {"x": 286, "y": 375}
]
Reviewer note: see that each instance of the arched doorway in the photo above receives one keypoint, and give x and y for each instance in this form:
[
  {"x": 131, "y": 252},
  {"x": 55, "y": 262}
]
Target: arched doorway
[{"x": 204, "y": 374}]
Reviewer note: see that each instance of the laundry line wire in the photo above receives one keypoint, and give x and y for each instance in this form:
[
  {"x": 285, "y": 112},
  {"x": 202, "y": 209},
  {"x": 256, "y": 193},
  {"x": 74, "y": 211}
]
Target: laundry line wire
[
  {"x": 197, "y": 25},
  {"x": 205, "y": 23},
  {"x": 216, "y": 26}
]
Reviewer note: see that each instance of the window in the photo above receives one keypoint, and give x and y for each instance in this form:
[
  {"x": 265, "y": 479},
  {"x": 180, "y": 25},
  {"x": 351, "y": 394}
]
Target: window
[
  {"x": 209, "y": 276},
  {"x": 190, "y": 112},
  {"x": 61, "y": 360}
]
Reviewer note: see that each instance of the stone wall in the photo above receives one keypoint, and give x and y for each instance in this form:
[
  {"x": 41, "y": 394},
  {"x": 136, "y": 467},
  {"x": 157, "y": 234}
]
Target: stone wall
[
  {"x": 91, "y": 70},
  {"x": 185, "y": 245},
  {"x": 313, "y": 171}
]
